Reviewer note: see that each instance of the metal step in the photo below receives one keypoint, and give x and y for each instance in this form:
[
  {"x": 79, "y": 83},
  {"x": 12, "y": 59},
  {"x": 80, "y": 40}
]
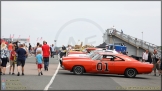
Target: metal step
[{"x": 135, "y": 41}]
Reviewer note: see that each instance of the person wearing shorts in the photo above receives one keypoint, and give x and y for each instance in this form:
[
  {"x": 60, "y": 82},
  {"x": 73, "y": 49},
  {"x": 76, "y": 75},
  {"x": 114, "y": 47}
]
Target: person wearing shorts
[
  {"x": 155, "y": 62},
  {"x": 12, "y": 61},
  {"x": 21, "y": 59},
  {"x": 4, "y": 57},
  {"x": 39, "y": 61},
  {"x": 160, "y": 66}
]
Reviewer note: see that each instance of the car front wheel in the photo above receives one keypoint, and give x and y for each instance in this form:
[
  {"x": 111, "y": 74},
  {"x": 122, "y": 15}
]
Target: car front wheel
[
  {"x": 130, "y": 73},
  {"x": 78, "y": 70}
]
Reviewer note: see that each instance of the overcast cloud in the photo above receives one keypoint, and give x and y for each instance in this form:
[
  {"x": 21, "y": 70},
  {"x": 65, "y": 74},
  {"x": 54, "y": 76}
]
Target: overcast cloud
[{"x": 45, "y": 18}]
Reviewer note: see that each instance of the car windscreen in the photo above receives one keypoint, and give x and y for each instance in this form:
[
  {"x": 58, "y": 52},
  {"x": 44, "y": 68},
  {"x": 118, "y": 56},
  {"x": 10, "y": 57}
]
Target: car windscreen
[
  {"x": 91, "y": 54},
  {"x": 97, "y": 57}
]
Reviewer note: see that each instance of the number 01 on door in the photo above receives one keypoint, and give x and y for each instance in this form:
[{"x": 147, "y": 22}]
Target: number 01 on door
[{"x": 100, "y": 66}]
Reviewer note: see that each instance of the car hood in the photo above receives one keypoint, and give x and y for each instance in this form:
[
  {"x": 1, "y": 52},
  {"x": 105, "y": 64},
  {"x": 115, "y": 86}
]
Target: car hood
[{"x": 75, "y": 57}]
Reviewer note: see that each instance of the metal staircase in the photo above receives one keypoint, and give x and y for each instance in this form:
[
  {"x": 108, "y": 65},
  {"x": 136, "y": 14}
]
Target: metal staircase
[{"x": 134, "y": 41}]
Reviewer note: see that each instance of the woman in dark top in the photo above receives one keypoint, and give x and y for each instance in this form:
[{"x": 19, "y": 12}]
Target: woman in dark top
[
  {"x": 16, "y": 45},
  {"x": 36, "y": 48}
]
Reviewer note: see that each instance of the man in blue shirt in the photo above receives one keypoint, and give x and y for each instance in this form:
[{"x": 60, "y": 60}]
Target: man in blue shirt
[{"x": 21, "y": 59}]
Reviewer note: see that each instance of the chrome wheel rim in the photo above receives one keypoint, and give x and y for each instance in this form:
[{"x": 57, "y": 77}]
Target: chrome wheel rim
[
  {"x": 78, "y": 70},
  {"x": 131, "y": 72}
]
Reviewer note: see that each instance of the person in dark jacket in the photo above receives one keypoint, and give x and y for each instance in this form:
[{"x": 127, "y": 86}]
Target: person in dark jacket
[
  {"x": 149, "y": 58},
  {"x": 64, "y": 50},
  {"x": 16, "y": 45},
  {"x": 36, "y": 48}
]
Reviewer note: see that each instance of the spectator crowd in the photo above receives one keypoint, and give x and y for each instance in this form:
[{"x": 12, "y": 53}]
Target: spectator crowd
[{"x": 17, "y": 53}]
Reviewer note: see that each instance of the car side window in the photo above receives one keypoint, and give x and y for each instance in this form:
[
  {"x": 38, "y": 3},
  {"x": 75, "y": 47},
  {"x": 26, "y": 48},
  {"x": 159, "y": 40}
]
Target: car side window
[
  {"x": 107, "y": 58},
  {"x": 118, "y": 59}
]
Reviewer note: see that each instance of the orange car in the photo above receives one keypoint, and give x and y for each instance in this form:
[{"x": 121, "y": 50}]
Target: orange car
[
  {"x": 89, "y": 56},
  {"x": 108, "y": 63},
  {"x": 80, "y": 52}
]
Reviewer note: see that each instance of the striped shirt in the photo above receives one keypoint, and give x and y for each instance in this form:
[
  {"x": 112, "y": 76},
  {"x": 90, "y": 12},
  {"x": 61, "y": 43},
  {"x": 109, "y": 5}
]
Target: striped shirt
[{"x": 4, "y": 53}]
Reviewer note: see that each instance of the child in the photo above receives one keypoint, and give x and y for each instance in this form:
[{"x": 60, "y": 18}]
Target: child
[
  {"x": 39, "y": 62},
  {"x": 12, "y": 60}
]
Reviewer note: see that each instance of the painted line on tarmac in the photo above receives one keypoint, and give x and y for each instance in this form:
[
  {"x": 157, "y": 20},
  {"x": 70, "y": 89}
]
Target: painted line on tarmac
[
  {"x": 31, "y": 57},
  {"x": 53, "y": 78}
]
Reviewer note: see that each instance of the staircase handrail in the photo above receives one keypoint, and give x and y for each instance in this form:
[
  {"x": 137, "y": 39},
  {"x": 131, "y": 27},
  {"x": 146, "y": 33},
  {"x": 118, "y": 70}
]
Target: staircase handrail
[{"x": 136, "y": 40}]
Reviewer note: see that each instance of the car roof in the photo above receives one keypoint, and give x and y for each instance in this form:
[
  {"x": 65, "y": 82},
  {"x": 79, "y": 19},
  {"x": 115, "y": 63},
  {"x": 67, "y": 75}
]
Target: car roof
[
  {"x": 125, "y": 57},
  {"x": 106, "y": 53}
]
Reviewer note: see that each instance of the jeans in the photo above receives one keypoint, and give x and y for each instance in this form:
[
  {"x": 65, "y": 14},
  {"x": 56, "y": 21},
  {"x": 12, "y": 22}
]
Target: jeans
[{"x": 46, "y": 62}]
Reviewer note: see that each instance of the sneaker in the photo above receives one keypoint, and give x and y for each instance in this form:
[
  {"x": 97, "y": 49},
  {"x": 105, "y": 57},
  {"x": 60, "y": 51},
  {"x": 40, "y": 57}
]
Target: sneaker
[
  {"x": 9, "y": 73},
  {"x": 38, "y": 74},
  {"x": 18, "y": 74},
  {"x": 41, "y": 73},
  {"x": 47, "y": 69},
  {"x": 3, "y": 73},
  {"x": 13, "y": 73},
  {"x": 22, "y": 74},
  {"x": 154, "y": 74}
]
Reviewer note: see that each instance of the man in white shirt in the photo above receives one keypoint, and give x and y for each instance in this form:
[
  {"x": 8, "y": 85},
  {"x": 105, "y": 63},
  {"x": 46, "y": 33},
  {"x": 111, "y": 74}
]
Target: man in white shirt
[
  {"x": 39, "y": 48},
  {"x": 52, "y": 50},
  {"x": 145, "y": 56}
]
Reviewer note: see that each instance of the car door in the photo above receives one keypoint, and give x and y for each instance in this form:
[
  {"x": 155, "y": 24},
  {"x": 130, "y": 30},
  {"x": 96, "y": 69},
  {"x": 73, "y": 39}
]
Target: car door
[
  {"x": 104, "y": 66},
  {"x": 119, "y": 65},
  {"x": 108, "y": 65}
]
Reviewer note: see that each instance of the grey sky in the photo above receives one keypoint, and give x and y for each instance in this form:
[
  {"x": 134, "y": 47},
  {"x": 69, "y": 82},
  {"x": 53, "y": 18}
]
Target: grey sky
[{"x": 45, "y": 18}]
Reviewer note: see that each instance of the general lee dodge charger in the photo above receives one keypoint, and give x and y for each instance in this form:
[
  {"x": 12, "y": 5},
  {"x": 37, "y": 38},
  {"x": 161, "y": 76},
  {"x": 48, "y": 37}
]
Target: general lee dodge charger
[{"x": 108, "y": 63}]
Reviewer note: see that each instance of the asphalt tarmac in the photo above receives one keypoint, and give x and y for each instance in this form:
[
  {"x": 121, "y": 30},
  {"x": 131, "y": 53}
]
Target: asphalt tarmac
[
  {"x": 65, "y": 80},
  {"x": 31, "y": 80}
]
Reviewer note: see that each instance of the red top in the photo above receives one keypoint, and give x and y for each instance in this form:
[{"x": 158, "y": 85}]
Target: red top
[
  {"x": 13, "y": 54},
  {"x": 10, "y": 47},
  {"x": 46, "y": 50}
]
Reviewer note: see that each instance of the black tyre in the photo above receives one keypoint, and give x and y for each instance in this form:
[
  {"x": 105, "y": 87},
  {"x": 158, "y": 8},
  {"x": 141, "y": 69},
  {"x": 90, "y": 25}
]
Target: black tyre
[
  {"x": 130, "y": 73},
  {"x": 78, "y": 70}
]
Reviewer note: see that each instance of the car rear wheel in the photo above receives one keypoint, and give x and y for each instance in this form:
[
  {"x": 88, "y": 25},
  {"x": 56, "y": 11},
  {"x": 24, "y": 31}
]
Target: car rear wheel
[
  {"x": 130, "y": 73},
  {"x": 78, "y": 70}
]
